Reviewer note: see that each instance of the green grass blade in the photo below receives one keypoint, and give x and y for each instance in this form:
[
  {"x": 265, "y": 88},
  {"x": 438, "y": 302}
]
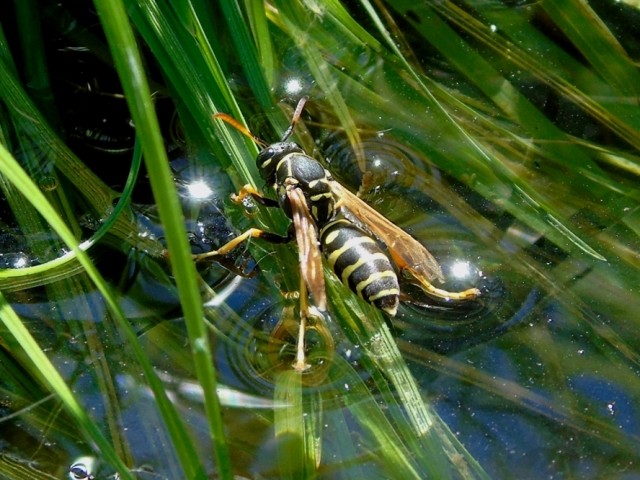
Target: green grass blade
[
  {"x": 394, "y": 455},
  {"x": 129, "y": 66},
  {"x": 246, "y": 49},
  {"x": 256, "y": 14},
  {"x": 521, "y": 110},
  {"x": 597, "y": 44},
  {"x": 296, "y": 20},
  {"x": 22, "y": 182},
  {"x": 386, "y": 362},
  {"x": 294, "y": 430},
  {"x": 625, "y": 126},
  {"x": 35, "y": 62},
  {"x": 41, "y": 366}
]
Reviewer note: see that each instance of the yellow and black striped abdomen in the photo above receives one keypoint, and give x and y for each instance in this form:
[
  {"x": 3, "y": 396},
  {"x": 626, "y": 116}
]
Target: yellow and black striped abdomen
[{"x": 361, "y": 264}]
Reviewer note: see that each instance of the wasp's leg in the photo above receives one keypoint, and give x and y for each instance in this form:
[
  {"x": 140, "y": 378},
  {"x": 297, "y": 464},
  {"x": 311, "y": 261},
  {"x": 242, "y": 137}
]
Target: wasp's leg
[
  {"x": 251, "y": 233},
  {"x": 301, "y": 364},
  {"x": 430, "y": 289},
  {"x": 307, "y": 312},
  {"x": 249, "y": 191}
]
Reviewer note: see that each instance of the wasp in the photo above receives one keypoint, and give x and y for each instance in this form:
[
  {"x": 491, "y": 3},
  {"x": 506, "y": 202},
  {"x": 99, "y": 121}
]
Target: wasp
[{"x": 328, "y": 218}]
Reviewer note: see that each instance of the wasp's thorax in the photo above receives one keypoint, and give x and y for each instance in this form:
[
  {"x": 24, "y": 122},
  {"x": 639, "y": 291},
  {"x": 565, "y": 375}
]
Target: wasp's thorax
[
  {"x": 269, "y": 158},
  {"x": 286, "y": 166}
]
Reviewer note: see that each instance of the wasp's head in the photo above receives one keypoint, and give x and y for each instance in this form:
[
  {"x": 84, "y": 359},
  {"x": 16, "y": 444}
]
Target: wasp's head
[{"x": 269, "y": 157}]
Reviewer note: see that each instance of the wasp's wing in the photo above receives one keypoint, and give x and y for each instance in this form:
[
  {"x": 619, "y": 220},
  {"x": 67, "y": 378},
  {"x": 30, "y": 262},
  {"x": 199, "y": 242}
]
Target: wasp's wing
[
  {"x": 308, "y": 249},
  {"x": 407, "y": 253}
]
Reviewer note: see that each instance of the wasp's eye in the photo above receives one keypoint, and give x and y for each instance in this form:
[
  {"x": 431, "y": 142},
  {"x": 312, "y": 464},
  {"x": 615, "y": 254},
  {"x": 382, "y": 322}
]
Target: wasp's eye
[
  {"x": 266, "y": 163},
  {"x": 265, "y": 155}
]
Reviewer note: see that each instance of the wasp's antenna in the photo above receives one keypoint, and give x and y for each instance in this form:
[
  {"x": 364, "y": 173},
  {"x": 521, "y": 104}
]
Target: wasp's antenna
[
  {"x": 241, "y": 128},
  {"x": 295, "y": 118}
]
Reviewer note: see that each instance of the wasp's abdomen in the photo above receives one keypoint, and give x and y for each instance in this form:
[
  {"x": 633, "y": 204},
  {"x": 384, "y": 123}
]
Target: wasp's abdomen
[{"x": 361, "y": 264}]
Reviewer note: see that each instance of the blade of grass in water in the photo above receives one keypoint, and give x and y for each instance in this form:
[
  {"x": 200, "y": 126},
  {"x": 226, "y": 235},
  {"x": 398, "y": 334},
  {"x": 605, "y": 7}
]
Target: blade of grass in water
[
  {"x": 294, "y": 431},
  {"x": 247, "y": 52},
  {"x": 256, "y": 14},
  {"x": 129, "y": 65},
  {"x": 626, "y": 126},
  {"x": 41, "y": 367},
  {"x": 483, "y": 74},
  {"x": 386, "y": 363},
  {"x": 295, "y": 17},
  {"x": 597, "y": 44},
  {"x": 35, "y": 130}
]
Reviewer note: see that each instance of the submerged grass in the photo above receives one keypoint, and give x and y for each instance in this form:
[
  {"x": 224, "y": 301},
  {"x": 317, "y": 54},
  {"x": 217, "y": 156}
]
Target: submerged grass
[{"x": 551, "y": 207}]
